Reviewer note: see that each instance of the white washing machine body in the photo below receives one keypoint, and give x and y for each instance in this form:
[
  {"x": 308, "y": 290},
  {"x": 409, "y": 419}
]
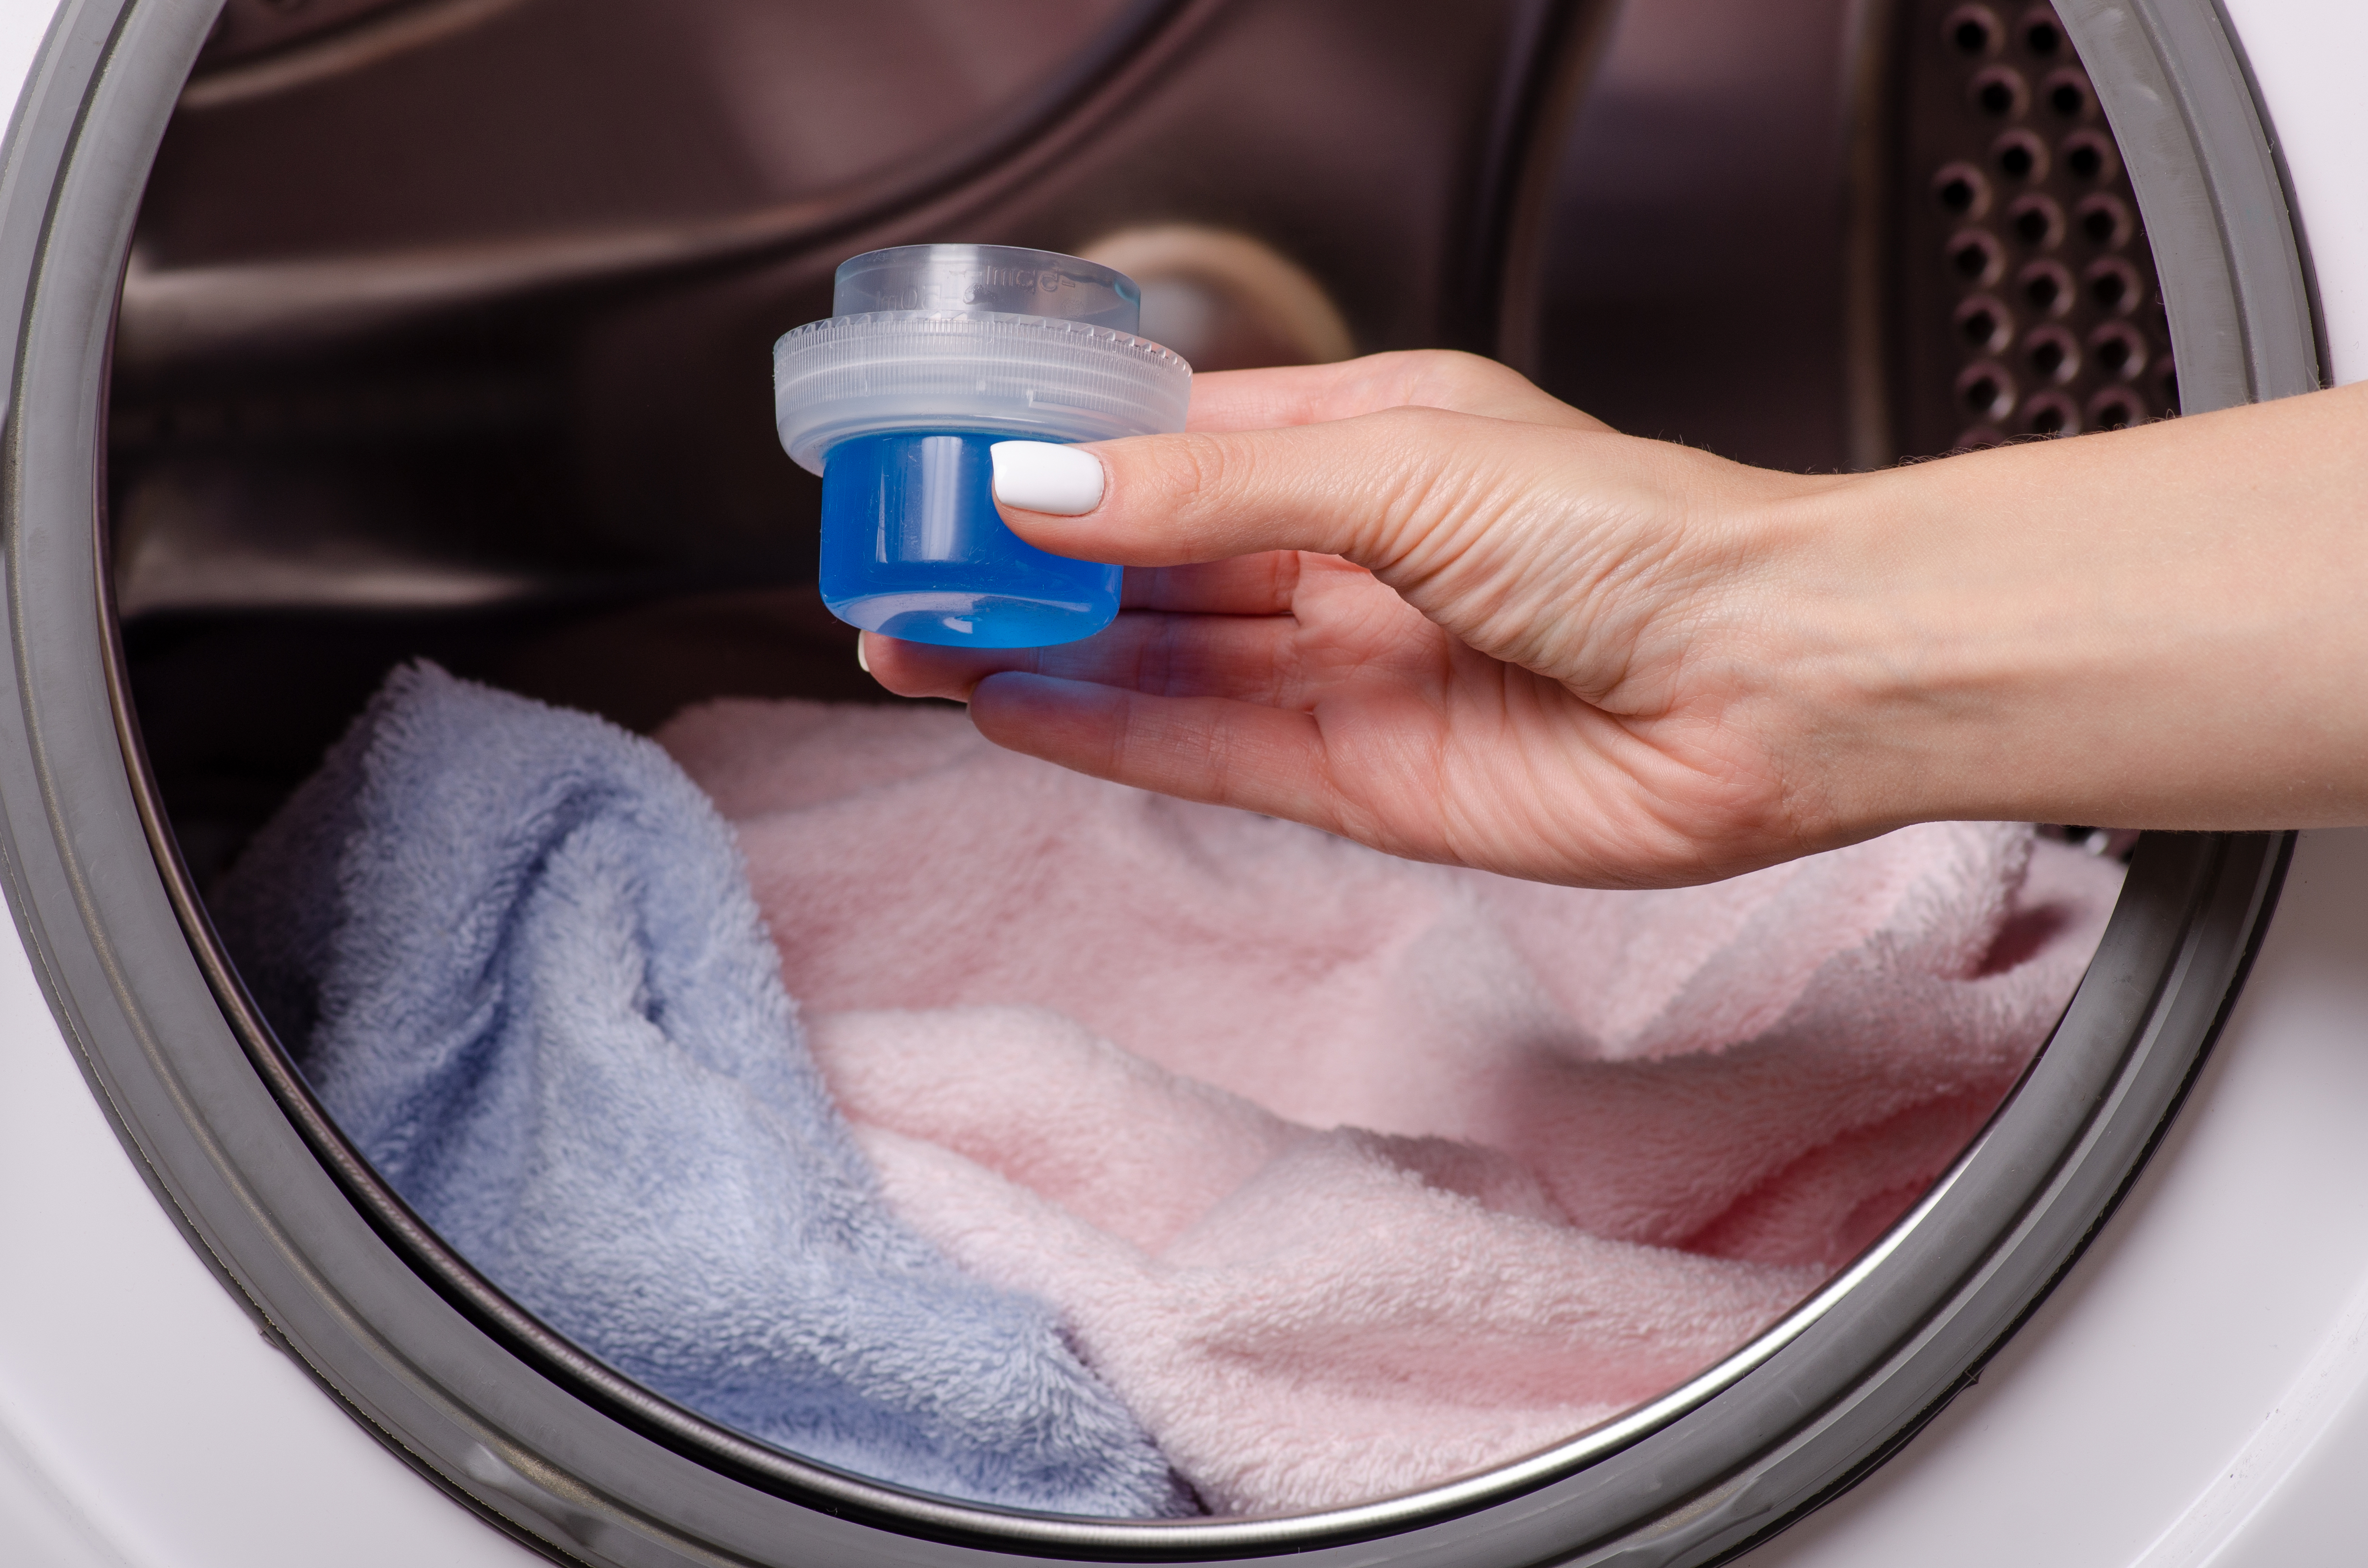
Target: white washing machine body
[{"x": 2195, "y": 1391}]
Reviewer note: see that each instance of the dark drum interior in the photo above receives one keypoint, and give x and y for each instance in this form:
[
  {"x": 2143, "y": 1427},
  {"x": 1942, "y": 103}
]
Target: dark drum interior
[{"x": 444, "y": 330}]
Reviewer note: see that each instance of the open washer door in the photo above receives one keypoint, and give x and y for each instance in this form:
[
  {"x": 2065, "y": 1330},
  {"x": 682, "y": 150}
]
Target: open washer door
[{"x": 556, "y": 1447}]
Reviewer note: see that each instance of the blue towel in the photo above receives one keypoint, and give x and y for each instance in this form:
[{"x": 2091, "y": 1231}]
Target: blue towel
[{"x": 515, "y": 952}]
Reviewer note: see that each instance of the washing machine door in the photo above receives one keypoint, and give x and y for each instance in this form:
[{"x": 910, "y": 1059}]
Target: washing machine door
[{"x": 546, "y": 1441}]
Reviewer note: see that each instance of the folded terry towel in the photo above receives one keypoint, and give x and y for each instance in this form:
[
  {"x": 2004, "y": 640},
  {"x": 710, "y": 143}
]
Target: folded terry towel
[
  {"x": 1607, "y": 1135},
  {"x": 515, "y": 953}
]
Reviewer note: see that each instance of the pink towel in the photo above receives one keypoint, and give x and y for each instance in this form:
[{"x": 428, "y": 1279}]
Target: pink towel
[{"x": 1115, "y": 1049}]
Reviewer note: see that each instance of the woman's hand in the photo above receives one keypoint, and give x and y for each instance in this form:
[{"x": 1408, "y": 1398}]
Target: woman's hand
[{"x": 1413, "y": 600}]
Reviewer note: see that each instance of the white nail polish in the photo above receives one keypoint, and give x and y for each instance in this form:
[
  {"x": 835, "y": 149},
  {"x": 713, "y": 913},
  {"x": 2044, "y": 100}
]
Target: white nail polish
[
  {"x": 862, "y": 662},
  {"x": 1043, "y": 476}
]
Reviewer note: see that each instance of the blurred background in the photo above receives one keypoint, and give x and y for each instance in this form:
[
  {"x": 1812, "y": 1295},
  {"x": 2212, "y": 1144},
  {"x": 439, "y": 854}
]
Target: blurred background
[{"x": 447, "y": 323}]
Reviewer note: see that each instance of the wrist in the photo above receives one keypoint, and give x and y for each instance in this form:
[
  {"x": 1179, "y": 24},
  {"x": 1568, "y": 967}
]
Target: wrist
[
  {"x": 2157, "y": 627},
  {"x": 1804, "y": 643}
]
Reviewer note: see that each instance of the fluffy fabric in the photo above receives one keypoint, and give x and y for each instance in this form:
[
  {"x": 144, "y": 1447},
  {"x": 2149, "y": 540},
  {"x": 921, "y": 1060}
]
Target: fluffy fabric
[
  {"x": 1303, "y": 1318},
  {"x": 515, "y": 955},
  {"x": 1111, "y": 1047}
]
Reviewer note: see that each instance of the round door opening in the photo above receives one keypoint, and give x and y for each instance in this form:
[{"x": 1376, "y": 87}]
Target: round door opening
[{"x": 757, "y": 1112}]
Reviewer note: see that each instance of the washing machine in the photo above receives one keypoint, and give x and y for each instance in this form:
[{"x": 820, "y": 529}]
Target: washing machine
[{"x": 344, "y": 331}]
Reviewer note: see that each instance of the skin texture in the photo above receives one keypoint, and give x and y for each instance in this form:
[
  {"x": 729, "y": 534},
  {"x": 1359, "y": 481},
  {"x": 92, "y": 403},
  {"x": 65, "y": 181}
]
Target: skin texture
[{"x": 1413, "y": 600}]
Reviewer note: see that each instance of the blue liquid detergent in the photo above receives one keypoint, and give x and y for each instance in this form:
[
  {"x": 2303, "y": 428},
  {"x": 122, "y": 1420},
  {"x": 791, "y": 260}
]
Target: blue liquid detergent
[{"x": 912, "y": 547}]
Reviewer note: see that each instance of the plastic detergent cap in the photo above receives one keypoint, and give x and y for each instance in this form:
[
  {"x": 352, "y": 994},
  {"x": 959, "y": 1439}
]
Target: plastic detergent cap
[
  {"x": 1008, "y": 279},
  {"x": 990, "y": 339}
]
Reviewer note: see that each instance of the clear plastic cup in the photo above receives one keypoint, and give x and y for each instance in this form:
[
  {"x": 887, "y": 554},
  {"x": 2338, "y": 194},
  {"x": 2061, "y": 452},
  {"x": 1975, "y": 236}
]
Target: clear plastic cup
[
  {"x": 1006, "y": 280},
  {"x": 934, "y": 354}
]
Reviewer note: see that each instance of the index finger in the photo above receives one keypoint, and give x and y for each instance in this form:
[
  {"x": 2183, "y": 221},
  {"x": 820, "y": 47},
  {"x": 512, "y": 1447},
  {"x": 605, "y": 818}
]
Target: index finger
[{"x": 1372, "y": 489}]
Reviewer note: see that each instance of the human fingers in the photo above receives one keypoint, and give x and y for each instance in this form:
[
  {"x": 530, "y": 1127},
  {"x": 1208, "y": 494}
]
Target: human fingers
[
  {"x": 1310, "y": 394},
  {"x": 1245, "y": 584},
  {"x": 1199, "y": 749},
  {"x": 1528, "y": 543},
  {"x": 1246, "y": 658},
  {"x": 1260, "y": 587},
  {"x": 1577, "y": 555},
  {"x": 1577, "y": 799},
  {"x": 1362, "y": 488},
  {"x": 1471, "y": 519}
]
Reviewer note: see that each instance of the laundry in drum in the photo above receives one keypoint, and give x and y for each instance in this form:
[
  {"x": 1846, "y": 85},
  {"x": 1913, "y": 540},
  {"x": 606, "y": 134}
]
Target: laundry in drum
[
  {"x": 932, "y": 354},
  {"x": 1004, "y": 1134}
]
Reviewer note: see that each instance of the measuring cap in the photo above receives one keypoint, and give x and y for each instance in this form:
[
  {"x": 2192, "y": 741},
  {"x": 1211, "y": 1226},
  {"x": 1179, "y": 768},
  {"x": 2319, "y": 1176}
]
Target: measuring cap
[
  {"x": 1006, "y": 279},
  {"x": 995, "y": 340}
]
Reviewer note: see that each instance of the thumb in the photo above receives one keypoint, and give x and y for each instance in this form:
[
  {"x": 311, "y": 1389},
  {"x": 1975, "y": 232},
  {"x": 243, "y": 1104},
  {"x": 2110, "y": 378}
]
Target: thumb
[{"x": 1385, "y": 490}]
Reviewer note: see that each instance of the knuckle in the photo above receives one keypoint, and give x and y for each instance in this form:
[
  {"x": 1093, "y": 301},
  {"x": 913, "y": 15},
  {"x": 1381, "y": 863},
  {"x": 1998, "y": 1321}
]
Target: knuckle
[
  {"x": 1197, "y": 467},
  {"x": 1282, "y": 585},
  {"x": 1421, "y": 478},
  {"x": 1170, "y": 491},
  {"x": 1448, "y": 378}
]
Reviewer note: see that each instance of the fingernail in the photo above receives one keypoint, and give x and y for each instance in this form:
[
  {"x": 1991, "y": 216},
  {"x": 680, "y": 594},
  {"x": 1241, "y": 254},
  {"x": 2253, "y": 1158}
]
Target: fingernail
[
  {"x": 1040, "y": 476},
  {"x": 862, "y": 660}
]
